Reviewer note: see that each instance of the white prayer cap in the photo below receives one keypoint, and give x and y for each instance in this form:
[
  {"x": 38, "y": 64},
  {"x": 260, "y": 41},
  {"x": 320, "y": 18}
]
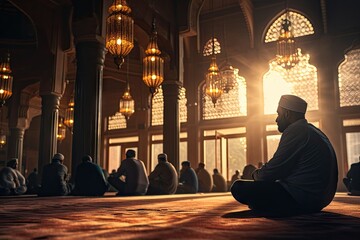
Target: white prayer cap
[
  {"x": 293, "y": 103},
  {"x": 58, "y": 156}
]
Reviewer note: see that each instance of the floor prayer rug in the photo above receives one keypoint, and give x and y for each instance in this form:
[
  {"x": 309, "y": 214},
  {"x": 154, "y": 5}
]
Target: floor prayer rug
[{"x": 193, "y": 216}]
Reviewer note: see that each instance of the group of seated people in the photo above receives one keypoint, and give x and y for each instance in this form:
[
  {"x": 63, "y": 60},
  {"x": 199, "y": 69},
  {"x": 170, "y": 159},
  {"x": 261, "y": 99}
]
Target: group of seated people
[
  {"x": 89, "y": 179},
  {"x": 130, "y": 179}
]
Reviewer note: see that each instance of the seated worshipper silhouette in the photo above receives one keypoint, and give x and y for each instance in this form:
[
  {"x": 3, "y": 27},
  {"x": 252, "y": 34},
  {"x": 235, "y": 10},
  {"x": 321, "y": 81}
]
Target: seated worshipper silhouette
[
  {"x": 33, "y": 182},
  {"x": 352, "y": 180},
  {"x": 89, "y": 179},
  {"x": 54, "y": 181},
  {"x": 164, "y": 178},
  {"x": 219, "y": 182},
  {"x": 12, "y": 182},
  {"x": 131, "y": 177},
  {"x": 236, "y": 176},
  {"x": 188, "y": 182},
  {"x": 204, "y": 178},
  {"x": 302, "y": 175},
  {"x": 247, "y": 172}
]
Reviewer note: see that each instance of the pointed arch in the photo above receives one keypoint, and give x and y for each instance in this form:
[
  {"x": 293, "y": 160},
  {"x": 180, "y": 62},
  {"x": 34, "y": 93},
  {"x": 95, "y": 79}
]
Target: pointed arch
[
  {"x": 348, "y": 76},
  {"x": 300, "y": 24}
]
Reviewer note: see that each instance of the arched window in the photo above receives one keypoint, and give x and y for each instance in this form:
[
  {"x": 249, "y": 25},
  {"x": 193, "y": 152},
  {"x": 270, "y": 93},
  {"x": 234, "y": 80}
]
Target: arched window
[
  {"x": 232, "y": 104},
  {"x": 349, "y": 75},
  {"x": 116, "y": 121},
  {"x": 300, "y": 80},
  {"x": 301, "y": 26},
  {"x": 208, "y": 49},
  {"x": 157, "y": 110}
]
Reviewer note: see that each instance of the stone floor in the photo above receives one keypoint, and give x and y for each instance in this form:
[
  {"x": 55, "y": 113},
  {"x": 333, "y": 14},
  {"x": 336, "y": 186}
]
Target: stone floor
[{"x": 193, "y": 216}]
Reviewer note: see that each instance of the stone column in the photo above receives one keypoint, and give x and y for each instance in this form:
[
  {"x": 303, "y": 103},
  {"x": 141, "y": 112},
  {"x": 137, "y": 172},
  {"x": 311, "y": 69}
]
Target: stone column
[
  {"x": 16, "y": 141},
  {"x": 171, "y": 127},
  {"x": 88, "y": 29},
  {"x": 90, "y": 56},
  {"x": 18, "y": 123},
  {"x": 48, "y": 129}
]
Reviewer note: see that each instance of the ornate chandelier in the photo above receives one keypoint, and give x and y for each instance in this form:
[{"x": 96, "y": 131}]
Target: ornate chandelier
[
  {"x": 6, "y": 81},
  {"x": 119, "y": 31},
  {"x": 213, "y": 81},
  {"x": 127, "y": 103},
  {"x": 287, "y": 56},
  {"x": 69, "y": 114},
  {"x": 61, "y": 130},
  {"x": 153, "y": 64},
  {"x": 228, "y": 75}
]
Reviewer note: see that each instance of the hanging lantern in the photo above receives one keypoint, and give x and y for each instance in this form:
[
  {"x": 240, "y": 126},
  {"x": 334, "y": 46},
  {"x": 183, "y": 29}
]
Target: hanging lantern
[
  {"x": 119, "y": 31},
  {"x": 127, "y": 104},
  {"x": 213, "y": 81},
  {"x": 6, "y": 81},
  {"x": 287, "y": 56},
  {"x": 61, "y": 130},
  {"x": 153, "y": 64},
  {"x": 228, "y": 75},
  {"x": 2, "y": 139},
  {"x": 69, "y": 114}
]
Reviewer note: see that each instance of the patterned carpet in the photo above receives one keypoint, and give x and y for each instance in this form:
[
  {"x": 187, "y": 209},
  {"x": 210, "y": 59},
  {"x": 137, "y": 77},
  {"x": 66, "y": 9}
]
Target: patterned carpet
[{"x": 195, "y": 216}]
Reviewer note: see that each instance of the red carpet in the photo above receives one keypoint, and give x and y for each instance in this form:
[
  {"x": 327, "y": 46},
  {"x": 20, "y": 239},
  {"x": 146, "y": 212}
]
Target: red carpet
[{"x": 198, "y": 216}]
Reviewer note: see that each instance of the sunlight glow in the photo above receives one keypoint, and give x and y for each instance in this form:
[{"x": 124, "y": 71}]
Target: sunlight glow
[
  {"x": 274, "y": 87},
  {"x": 301, "y": 80}
]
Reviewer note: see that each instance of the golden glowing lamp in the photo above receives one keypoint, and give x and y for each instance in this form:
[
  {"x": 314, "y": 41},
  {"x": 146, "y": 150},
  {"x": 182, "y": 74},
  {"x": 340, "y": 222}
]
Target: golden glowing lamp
[
  {"x": 153, "y": 64},
  {"x": 119, "y": 31},
  {"x": 61, "y": 130},
  {"x": 127, "y": 104},
  {"x": 287, "y": 55},
  {"x": 2, "y": 140},
  {"x": 69, "y": 114},
  {"x": 213, "y": 81},
  {"x": 6, "y": 81}
]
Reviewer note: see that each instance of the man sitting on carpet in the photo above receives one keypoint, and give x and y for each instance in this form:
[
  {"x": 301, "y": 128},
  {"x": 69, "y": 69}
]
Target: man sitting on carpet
[
  {"x": 352, "y": 180},
  {"x": 12, "y": 182},
  {"x": 188, "y": 182},
  {"x": 33, "y": 182},
  {"x": 54, "y": 181},
  {"x": 131, "y": 177},
  {"x": 89, "y": 179},
  {"x": 220, "y": 184},
  {"x": 247, "y": 172},
  {"x": 301, "y": 176},
  {"x": 236, "y": 176},
  {"x": 204, "y": 178},
  {"x": 164, "y": 178}
]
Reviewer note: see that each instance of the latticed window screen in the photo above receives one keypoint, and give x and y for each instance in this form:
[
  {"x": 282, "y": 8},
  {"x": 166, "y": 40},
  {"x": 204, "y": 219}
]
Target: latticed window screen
[
  {"x": 232, "y": 104},
  {"x": 301, "y": 26},
  {"x": 157, "y": 110},
  {"x": 349, "y": 79},
  {"x": 208, "y": 49},
  {"x": 300, "y": 80},
  {"x": 116, "y": 121}
]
